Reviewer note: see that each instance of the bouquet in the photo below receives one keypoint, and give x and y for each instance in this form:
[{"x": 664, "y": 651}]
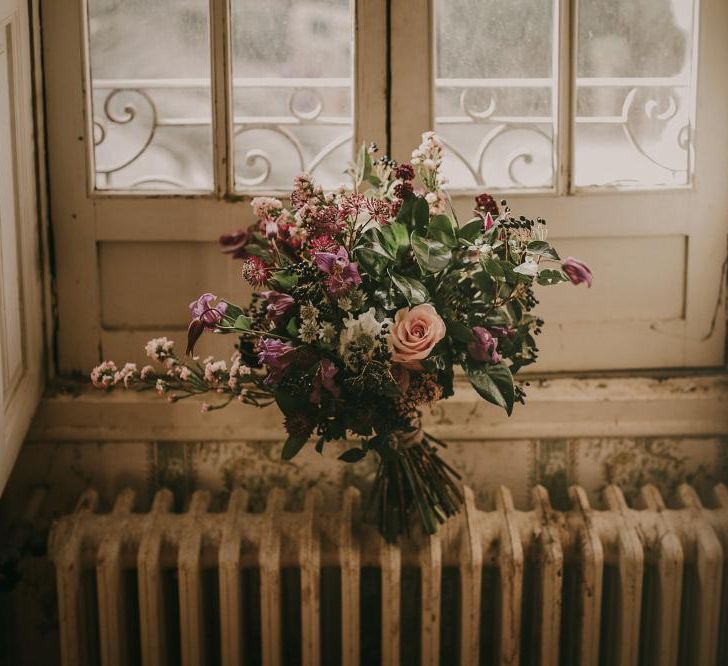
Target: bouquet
[{"x": 364, "y": 303}]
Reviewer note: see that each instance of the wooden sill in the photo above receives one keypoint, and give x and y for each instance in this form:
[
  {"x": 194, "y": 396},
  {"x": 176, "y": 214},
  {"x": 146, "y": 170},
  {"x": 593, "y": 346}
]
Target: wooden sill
[{"x": 557, "y": 407}]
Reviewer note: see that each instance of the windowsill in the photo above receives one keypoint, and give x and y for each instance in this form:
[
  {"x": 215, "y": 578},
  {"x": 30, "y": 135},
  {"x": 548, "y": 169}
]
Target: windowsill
[{"x": 557, "y": 407}]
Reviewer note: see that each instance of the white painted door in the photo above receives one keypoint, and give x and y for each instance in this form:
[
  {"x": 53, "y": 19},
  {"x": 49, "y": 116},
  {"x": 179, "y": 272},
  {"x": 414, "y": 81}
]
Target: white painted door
[{"x": 21, "y": 324}]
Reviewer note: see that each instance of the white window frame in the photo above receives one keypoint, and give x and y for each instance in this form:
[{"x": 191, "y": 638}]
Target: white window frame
[
  {"x": 697, "y": 212},
  {"x": 84, "y": 218},
  {"x": 393, "y": 105}
]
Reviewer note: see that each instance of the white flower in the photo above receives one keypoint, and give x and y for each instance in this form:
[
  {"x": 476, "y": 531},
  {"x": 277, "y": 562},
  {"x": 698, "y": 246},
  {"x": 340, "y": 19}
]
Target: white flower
[
  {"x": 328, "y": 332},
  {"x": 159, "y": 349},
  {"x": 362, "y": 329},
  {"x": 308, "y": 332},
  {"x": 431, "y": 197},
  {"x": 344, "y": 303},
  {"x": 539, "y": 231}
]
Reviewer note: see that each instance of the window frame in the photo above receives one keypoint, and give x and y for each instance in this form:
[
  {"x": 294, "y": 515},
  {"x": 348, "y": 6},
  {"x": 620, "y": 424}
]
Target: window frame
[
  {"x": 84, "y": 217},
  {"x": 393, "y": 104}
]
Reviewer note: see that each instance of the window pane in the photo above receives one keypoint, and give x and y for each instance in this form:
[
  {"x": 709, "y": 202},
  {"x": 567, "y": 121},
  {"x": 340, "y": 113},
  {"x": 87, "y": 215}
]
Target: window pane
[
  {"x": 292, "y": 69},
  {"x": 634, "y": 92},
  {"x": 150, "y": 71},
  {"x": 495, "y": 92}
]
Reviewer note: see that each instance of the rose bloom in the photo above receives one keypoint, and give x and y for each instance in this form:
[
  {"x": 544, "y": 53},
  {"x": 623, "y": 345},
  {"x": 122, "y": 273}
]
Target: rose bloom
[
  {"x": 415, "y": 332},
  {"x": 577, "y": 271}
]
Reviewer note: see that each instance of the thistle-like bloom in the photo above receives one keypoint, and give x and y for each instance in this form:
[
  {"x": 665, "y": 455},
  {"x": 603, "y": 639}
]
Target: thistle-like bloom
[
  {"x": 324, "y": 379},
  {"x": 256, "y": 271},
  {"x": 483, "y": 348},
  {"x": 342, "y": 274},
  {"x": 278, "y": 304},
  {"x": 577, "y": 271},
  {"x": 485, "y": 203}
]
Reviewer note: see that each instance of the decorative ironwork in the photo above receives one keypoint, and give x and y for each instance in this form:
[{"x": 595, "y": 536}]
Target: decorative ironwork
[
  {"x": 131, "y": 105},
  {"x": 649, "y": 106}
]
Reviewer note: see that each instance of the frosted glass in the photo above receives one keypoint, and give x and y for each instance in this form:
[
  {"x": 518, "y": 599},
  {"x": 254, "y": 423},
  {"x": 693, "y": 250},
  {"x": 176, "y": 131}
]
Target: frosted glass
[
  {"x": 635, "y": 91},
  {"x": 292, "y": 69},
  {"x": 150, "y": 81},
  {"x": 495, "y": 92}
]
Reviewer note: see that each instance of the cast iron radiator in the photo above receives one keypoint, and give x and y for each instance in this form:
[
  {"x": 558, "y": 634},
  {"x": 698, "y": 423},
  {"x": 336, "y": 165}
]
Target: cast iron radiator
[{"x": 621, "y": 586}]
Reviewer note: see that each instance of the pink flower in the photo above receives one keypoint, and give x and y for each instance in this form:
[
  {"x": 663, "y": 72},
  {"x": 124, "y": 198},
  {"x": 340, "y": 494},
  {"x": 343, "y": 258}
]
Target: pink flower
[
  {"x": 278, "y": 304},
  {"x": 256, "y": 271},
  {"x": 275, "y": 354},
  {"x": 235, "y": 243},
  {"x": 343, "y": 274},
  {"x": 414, "y": 334},
  {"x": 484, "y": 346},
  {"x": 324, "y": 379},
  {"x": 207, "y": 311},
  {"x": 577, "y": 271}
]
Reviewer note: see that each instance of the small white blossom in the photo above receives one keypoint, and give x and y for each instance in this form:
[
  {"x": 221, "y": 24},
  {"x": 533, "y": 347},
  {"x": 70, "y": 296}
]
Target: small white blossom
[
  {"x": 344, "y": 303},
  {"x": 308, "y": 332}
]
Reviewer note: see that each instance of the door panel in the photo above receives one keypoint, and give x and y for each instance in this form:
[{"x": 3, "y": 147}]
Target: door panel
[{"x": 21, "y": 321}]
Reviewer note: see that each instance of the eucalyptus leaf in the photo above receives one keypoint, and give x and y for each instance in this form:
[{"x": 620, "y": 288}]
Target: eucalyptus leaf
[
  {"x": 492, "y": 382},
  {"x": 292, "y": 327},
  {"x": 431, "y": 255}
]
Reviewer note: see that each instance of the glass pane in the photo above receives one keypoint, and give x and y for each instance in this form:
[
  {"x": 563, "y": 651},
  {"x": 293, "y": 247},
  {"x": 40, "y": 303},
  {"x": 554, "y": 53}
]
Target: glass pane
[
  {"x": 150, "y": 79},
  {"x": 495, "y": 92},
  {"x": 634, "y": 93},
  {"x": 292, "y": 69}
]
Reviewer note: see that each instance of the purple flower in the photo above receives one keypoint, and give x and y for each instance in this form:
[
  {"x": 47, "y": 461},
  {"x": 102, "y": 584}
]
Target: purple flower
[
  {"x": 342, "y": 273},
  {"x": 278, "y": 304},
  {"x": 488, "y": 221},
  {"x": 275, "y": 354},
  {"x": 324, "y": 379},
  {"x": 236, "y": 242},
  {"x": 577, "y": 271},
  {"x": 483, "y": 348},
  {"x": 207, "y": 311}
]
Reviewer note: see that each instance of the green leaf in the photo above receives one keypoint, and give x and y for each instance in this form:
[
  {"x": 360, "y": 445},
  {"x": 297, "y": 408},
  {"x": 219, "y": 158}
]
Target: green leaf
[
  {"x": 404, "y": 216},
  {"x": 284, "y": 279},
  {"x": 293, "y": 445},
  {"x": 413, "y": 290},
  {"x": 242, "y": 323},
  {"x": 492, "y": 382},
  {"x": 292, "y": 327},
  {"x": 471, "y": 230},
  {"x": 421, "y": 214},
  {"x": 373, "y": 259},
  {"x": 551, "y": 276},
  {"x": 492, "y": 267},
  {"x": 353, "y": 455},
  {"x": 485, "y": 283},
  {"x": 460, "y": 332},
  {"x": 442, "y": 229},
  {"x": 395, "y": 238},
  {"x": 542, "y": 249},
  {"x": 431, "y": 255}
]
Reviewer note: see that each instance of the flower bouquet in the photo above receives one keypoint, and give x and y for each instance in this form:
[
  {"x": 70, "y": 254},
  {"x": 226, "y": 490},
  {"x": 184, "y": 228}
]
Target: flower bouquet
[{"x": 364, "y": 303}]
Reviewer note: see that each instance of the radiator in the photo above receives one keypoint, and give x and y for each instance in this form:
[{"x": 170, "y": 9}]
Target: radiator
[{"x": 621, "y": 586}]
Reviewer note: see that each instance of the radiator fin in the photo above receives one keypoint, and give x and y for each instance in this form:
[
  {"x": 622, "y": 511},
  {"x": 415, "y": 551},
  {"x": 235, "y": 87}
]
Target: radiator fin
[{"x": 613, "y": 586}]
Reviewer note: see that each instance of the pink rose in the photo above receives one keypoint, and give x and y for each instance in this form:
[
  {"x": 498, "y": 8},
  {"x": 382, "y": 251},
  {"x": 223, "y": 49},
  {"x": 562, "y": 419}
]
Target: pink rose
[{"x": 414, "y": 333}]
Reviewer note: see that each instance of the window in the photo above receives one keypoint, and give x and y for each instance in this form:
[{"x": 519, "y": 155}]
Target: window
[{"x": 583, "y": 111}]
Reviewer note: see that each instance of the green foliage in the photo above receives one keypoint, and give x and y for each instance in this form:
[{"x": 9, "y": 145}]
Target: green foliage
[
  {"x": 432, "y": 256},
  {"x": 442, "y": 229},
  {"x": 542, "y": 249},
  {"x": 492, "y": 382},
  {"x": 413, "y": 290},
  {"x": 292, "y": 446},
  {"x": 549, "y": 276}
]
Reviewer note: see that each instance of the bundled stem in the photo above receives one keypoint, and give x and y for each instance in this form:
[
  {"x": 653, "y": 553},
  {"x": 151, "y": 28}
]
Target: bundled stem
[{"x": 412, "y": 479}]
